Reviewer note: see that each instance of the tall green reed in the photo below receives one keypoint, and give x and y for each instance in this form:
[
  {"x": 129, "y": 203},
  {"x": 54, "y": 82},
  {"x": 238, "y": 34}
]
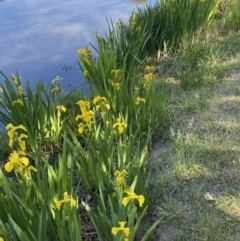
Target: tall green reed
[
  {"x": 37, "y": 111},
  {"x": 128, "y": 91},
  {"x": 42, "y": 205},
  {"x": 111, "y": 159},
  {"x": 172, "y": 23}
]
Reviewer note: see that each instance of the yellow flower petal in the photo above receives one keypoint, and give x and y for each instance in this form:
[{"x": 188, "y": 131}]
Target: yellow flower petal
[
  {"x": 122, "y": 224},
  {"x": 126, "y": 231},
  {"x": 18, "y": 101},
  {"x": 129, "y": 192},
  {"x": 32, "y": 168},
  {"x": 61, "y": 107},
  {"x": 138, "y": 100},
  {"x": 22, "y": 136},
  {"x": 22, "y": 145},
  {"x": 120, "y": 129},
  {"x": 9, "y": 126},
  {"x": 24, "y": 161},
  {"x": 100, "y": 101},
  {"x": 57, "y": 88},
  {"x": 84, "y": 51},
  {"x": 115, "y": 231},
  {"x": 98, "y": 107},
  {"x": 98, "y": 98},
  {"x": 131, "y": 196},
  {"x": 141, "y": 200},
  {"x": 116, "y": 173},
  {"x": 80, "y": 128},
  {"x": 57, "y": 79},
  {"x": 66, "y": 198},
  {"x": 11, "y": 135},
  {"x": 25, "y": 169},
  {"x": 9, "y": 166},
  {"x": 73, "y": 202},
  {"x": 149, "y": 68},
  {"x": 116, "y": 72},
  {"x": 125, "y": 201},
  {"x": 58, "y": 204},
  {"x": 20, "y": 90},
  {"x": 121, "y": 126},
  {"x": 107, "y": 106}
]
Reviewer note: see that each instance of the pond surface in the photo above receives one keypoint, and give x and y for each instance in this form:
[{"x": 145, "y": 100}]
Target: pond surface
[{"x": 39, "y": 39}]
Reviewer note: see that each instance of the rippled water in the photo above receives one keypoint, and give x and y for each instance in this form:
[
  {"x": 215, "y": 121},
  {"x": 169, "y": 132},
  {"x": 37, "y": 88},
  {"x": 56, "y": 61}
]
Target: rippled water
[{"x": 40, "y": 38}]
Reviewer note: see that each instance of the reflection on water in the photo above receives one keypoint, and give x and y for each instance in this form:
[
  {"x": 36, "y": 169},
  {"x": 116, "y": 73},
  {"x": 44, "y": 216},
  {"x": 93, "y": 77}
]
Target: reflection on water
[{"x": 40, "y": 38}]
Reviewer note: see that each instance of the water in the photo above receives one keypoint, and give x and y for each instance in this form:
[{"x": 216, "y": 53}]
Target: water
[{"x": 39, "y": 39}]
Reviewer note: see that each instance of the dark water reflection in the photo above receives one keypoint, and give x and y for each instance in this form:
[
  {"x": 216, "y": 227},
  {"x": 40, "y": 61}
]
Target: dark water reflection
[{"x": 40, "y": 38}]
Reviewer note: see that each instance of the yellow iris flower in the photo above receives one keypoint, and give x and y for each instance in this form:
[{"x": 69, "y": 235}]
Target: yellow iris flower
[
  {"x": 148, "y": 78},
  {"x": 61, "y": 107},
  {"x": 116, "y": 72},
  {"x": 66, "y": 198},
  {"x": 84, "y": 51},
  {"x": 84, "y": 105},
  {"x": 20, "y": 90},
  {"x": 22, "y": 143},
  {"x": 25, "y": 169},
  {"x": 57, "y": 79},
  {"x": 15, "y": 79},
  {"x": 85, "y": 73},
  {"x": 116, "y": 85},
  {"x": 121, "y": 125},
  {"x": 18, "y": 101},
  {"x": 15, "y": 159},
  {"x": 131, "y": 196},
  {"x": 82, "y": 126},
  {"x": 86, "y": 116},
  {"x": 138, "y": 100},
  {"x": 120, "y": 176},
  {"x": 11, "y": 131},
  {"x": 57, "y": 88},
  {"x": 148, "y": 68},
  {"x": 115, "y": 230},
  {"x": 100, "y": 101}
]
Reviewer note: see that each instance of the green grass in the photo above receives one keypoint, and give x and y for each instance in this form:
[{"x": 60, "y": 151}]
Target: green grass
[{"x": 202, "y": 154}]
